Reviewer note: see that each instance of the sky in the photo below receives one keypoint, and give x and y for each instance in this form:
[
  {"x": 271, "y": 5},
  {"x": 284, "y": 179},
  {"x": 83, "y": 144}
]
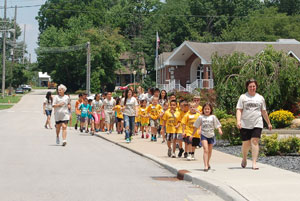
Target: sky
[{"x": 25, "y": 16}]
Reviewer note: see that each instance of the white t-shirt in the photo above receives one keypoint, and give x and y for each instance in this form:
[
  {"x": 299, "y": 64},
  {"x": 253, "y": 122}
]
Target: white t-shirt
[
  {"x": 130, "y": 107},
  {"x": 252, "y": 107},
  {"x": 48, "y": 105},
  {"x": 61, "y": 113},
  {"x": 208, "y": 125},
  {"x": 109, "y": 105},
  {"x": 97, "y": 106},
  {"x": 142, "y": 97}
]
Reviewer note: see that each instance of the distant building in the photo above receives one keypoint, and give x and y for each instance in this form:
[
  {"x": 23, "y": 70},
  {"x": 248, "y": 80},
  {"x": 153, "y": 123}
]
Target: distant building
[
  {"x": 130, "y": 63},
  {"x": 189, "y": 66},
  {"x": 43, "y": 79}
]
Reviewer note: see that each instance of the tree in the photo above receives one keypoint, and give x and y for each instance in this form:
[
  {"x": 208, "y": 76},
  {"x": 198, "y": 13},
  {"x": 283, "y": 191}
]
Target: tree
[
  {"x": 70, "y": 67},
  {"x": 263, "y": 25},
  {"x": 290, "y": 7},
  {"x": 276, "y": 73}
]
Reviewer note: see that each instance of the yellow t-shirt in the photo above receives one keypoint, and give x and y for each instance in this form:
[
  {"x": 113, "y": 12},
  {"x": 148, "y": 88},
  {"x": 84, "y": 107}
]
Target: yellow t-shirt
[
  {"x": 142, "y": 112},
  {"x": 171, "y": 121},
  {"x": 181, "y": 115},
  {"x": 138, "y": 118},
  {"x": 154, "y": 111},
  {"x": 119, "y": 112},
  {"x": 189, "y": 120},
  {"x": 161, "y": 121},
  {"x": 199, "y": 108}
]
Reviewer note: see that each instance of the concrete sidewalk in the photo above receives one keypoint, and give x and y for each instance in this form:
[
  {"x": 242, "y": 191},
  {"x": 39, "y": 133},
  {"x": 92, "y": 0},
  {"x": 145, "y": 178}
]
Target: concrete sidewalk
[{"x": 226, "y": 178}]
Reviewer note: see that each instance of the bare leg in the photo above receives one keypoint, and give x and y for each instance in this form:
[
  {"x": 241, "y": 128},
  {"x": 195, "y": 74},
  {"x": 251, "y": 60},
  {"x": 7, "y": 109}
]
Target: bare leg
[
  {"x": 210, "y": 147},
  {"x": 49, "y": 121},
  {"x": 255, "y": 150},
  {"x": 205, "y": 153},
  {"x": 58, "y": 126},
  {"x": 64, "y": 132},
  {"x": 174, "y": 145},
  {"x": 245, "y": 149}
]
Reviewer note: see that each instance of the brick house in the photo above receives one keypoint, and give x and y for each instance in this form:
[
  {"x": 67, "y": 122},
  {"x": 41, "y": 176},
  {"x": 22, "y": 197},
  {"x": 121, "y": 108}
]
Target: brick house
[
  {"x": 189, "y": 66},
  {"x": 130, "y": 63}
]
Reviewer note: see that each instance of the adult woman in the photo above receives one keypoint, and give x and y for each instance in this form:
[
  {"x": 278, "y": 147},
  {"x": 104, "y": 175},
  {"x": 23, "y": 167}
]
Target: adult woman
[
  {"x": 163, "y": 97},
  {"x": 250, "y": 109},
  {"x": 61, "y": 105},
  {"x": 47, "y": 108},
  {"x": 97, "y": 105},
  {"x": 141, "y": 94},
  {"x": 130, "y": 109}
]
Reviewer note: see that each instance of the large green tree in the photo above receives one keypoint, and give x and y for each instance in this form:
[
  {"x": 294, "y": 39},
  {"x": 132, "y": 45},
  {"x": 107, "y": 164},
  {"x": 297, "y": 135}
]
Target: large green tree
[{"x": 276, "y": 72}]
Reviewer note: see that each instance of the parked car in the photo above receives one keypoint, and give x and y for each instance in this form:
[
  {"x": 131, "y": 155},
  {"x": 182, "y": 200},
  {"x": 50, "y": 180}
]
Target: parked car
[
  {"x": 26, "y": 87},
  {"x": 19, "y": 90}
]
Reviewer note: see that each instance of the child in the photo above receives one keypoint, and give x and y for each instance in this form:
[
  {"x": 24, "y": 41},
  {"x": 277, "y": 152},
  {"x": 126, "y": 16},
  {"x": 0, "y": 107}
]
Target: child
[
  {"x": 196, "y": 100},
  {"x": 84, "y": 114},
  {"x": 137, "y": 121},
  {"x": 170, "y": 119},
  {"x": 77, "y": 110},
  {"x": 144, "y": 119},
  {"x": 91, "y": 120},
  {"x": 187, "y": 129},
  {"x": 207, "y": 123},
  {"x": 108, "y": 105},
  {"x": 162, "y": 128},
  {"x": 153, "y": 111},
  {"x": 118, "y": 108},
  {"x": 184, "y": 108}
]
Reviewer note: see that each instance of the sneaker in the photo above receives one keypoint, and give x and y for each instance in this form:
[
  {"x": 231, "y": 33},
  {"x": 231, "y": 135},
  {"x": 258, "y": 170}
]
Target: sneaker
[
  {"x": 127, "y": 140},
  {"x": 185, "y": 154},
  {"x": 152, "y": 138},
  {"x": 64, "y": 143},
  {"x": 142, "y": 135},
  {"x": 169, "y": 152},
  {"x": 86, "y": 131},
  {"x": 110, "y": 131},
  {"x": 147, "y": 136},
  {"x": 76, "y": 126},
  {"x": 180, "y": 152},
  {"x": 189, "y": 157},
  {"x": 173, "y": 155},
  {"x": 193, "y": 157},
  {"x": 57, "y": 140},
  {"x": 163, "y": 141},
  {"x": 81, "y": 130}
]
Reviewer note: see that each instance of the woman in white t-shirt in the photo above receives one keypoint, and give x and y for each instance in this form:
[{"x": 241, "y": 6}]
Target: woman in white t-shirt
[
  {"x": 47, "y": 108},
  {"x": 251, "y": 107},
  {"x": 61, "y": 105},
  {"x": 130, "y": 109}
]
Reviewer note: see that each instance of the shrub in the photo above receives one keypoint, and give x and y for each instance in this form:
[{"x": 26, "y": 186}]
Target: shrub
[
  {"x": 273, "y": 146},
  {"x": 281, "y": 118},
  {"x": 221, "y": 114},
  {"x": 230, "y": 131},
  {"x": 270, "y": 144},
  {"x": 80, "y": 91}
]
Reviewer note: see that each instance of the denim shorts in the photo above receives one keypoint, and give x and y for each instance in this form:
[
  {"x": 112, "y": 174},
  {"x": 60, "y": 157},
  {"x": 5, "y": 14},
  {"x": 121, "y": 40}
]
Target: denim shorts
[
  {"x": 48, "y": 112},
  {"x": 209, "y": 140}
]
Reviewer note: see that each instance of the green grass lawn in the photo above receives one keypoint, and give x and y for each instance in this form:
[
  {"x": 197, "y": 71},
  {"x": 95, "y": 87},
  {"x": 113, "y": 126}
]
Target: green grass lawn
[
  {"x": 39, "y": 87},
  {"x": 3, "y": 107},
  {"x": 13, "y": 99}
]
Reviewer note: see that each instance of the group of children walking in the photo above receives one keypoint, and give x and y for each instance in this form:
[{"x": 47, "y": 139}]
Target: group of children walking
[{"x": 181, "y": 124}]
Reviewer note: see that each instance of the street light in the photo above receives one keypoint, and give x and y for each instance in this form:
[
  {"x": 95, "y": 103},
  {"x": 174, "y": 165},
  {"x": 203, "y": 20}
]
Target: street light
[{"x": 134, "y": 73}]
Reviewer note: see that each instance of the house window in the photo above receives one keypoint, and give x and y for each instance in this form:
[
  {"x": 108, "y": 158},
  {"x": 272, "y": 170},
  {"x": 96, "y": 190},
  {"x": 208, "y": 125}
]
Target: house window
[
  {"x": 209, "y": 72},
  {"x": 200, "y": 72},
  {"x": 118, "y": 82}
]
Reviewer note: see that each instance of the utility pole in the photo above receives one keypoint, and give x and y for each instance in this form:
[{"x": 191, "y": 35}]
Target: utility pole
[
  {"x": 88, "y": 69},
  {"x": 13, "y": 51},
  {"x": 4, "y": 52},
  {"x": 24, "y": 44}
]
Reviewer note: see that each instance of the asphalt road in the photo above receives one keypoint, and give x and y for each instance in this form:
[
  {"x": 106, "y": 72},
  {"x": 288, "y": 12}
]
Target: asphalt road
[{"x": 34, "y": 168}]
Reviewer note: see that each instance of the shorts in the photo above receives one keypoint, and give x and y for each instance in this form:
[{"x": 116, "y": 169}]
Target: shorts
[
  {"x": 83, "y": 119},
  {"x": 97, "y": 117},
  {"x": 119, "y": 120},
  {"x": 62, "y": 122},
  {"x": 90, "y": 120},
  {"x": 247, "y": 134},
  {"x": 154, "y": 123},
  {"x": 48, "y": 112},
  {"x": 210, "y": 140},
  {"x": 179, "y": 136},
  {"x": 170, "y": 136},
  {"x": 187, "y": 140},
  {"x": 195, "y": 141},
  {"x": 109, "y": 118},
  {"x": 78, "y": 117},
  {"x": 144, "y": 124},
  {"x": 138, "y": 124}
]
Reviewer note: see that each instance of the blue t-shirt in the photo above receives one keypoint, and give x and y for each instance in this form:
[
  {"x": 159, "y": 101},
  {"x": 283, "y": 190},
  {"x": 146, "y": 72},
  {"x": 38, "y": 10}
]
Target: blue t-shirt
[
  {"x": 84, "y": 110},
  {"x": 90, "y": 110}
]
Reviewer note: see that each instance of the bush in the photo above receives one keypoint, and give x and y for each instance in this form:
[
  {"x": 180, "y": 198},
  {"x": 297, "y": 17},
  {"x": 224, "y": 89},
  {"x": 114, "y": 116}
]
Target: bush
[
  {"x": 221, "y": 114},
  {"x": 281, "y": 118},
  {"x": 80, "y": 91},
  {"x": 230, "y": 131},
  {"x": 270, "y": 144},
  {"x": 273, "y": 146}
]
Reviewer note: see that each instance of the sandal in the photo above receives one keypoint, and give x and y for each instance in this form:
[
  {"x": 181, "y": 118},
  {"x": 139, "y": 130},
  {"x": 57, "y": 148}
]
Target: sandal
[{"x": 244, "y": 164}]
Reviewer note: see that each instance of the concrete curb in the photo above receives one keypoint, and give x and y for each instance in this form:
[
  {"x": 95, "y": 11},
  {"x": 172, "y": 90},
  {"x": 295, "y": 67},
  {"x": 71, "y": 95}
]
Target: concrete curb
[{"x": 222, "y": 190}]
